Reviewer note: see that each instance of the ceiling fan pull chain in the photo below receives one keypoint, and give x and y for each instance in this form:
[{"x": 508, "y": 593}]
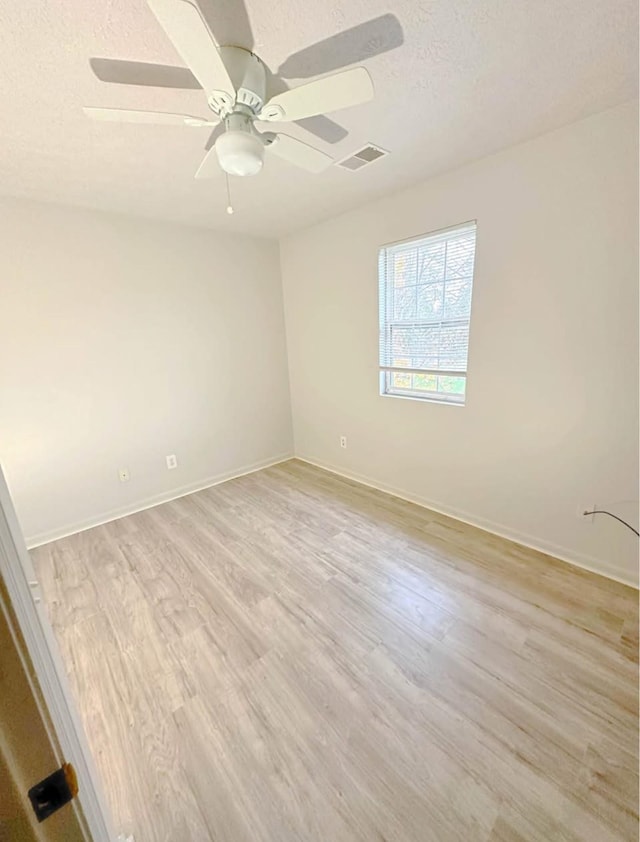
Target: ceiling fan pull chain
[{"x": 229, "y": 205}]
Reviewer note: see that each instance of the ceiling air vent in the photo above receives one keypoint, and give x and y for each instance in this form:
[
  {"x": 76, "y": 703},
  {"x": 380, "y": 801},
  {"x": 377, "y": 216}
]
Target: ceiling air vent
[{"x": 367, "y": 155}]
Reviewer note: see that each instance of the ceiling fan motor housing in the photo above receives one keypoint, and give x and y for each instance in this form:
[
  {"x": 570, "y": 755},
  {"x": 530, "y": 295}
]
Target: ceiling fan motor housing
[{"x": 249, "y": 78}]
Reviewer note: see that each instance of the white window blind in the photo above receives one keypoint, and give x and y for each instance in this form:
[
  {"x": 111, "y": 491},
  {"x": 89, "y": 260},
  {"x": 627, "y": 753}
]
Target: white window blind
[{"x": 425, "y": 308}]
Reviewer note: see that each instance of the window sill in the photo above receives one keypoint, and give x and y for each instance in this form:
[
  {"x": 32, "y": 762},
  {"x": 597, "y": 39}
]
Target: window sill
[{"x": 420, "y": 399}]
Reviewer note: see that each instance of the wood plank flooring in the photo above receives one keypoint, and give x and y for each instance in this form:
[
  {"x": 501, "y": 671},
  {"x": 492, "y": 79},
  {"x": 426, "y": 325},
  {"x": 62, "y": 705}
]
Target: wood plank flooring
[{"x": 292, "y": 657}]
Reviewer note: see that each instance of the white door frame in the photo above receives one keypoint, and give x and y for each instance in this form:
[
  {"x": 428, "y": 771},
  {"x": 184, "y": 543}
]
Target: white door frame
[{"x": 25, "y": 596}]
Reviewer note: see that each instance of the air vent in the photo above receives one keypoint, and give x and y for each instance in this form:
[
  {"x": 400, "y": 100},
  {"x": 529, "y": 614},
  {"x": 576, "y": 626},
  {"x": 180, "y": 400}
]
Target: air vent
[{"x": 367, "y": 155}]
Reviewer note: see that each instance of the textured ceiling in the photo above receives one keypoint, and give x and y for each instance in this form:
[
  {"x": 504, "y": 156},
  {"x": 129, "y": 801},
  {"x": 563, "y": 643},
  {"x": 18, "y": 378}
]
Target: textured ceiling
[{"x": 472, "y": 76}]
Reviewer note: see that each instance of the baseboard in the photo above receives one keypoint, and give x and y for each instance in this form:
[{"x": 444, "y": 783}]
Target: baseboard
[
  {"x": 593, "y": 565},
  {"x": 106, "y": 517}
]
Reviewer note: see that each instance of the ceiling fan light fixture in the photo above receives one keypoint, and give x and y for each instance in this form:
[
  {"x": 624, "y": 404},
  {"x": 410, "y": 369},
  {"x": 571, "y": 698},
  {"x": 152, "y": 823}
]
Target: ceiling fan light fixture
[{"x": 240, "y": 153}]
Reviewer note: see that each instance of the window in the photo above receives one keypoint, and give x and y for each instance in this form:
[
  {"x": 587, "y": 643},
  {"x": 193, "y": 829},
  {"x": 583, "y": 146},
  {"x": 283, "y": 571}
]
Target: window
[{"x": 425, "y": 307}]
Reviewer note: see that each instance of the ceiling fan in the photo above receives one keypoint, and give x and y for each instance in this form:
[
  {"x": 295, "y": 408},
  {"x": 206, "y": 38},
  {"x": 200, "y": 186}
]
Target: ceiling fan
[{"x": 235, "y": 82}]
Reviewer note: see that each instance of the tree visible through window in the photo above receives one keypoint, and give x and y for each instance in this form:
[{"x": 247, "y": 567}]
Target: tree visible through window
[{"x": 425, "y": 308}]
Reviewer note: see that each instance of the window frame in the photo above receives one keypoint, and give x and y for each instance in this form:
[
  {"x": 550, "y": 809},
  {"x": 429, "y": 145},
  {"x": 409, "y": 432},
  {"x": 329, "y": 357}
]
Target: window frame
[{"x": 386, "y": 325}]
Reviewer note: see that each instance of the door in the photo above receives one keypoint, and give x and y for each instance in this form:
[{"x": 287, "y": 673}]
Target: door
[{"x": 26, "y": 623}]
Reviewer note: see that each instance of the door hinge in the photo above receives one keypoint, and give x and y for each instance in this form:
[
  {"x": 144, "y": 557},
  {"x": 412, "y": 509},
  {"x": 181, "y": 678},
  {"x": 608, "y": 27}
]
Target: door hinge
[{"x": 54, "y": 791}]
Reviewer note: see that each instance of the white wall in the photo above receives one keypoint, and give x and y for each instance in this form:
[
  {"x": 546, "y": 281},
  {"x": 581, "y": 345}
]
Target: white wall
[
  {"x": 122, "y": 341},
  {"x": 551, "y": 419}
]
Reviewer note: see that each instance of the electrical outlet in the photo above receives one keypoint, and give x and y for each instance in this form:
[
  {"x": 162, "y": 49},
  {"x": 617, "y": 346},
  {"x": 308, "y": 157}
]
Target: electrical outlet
[
  {"x": 586, "y": 507},
  {"x": 172, "y": 462},
  {"x": 343, "y": 442},
  {"x": 123, "y": 475}
]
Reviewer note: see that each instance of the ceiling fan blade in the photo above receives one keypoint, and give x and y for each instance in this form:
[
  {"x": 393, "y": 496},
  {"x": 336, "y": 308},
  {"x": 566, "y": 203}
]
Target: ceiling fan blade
[
  {"x": 354, "y": 45},
  {"x": 320, "y": 126},
  {"x": 210, "y": 167},
  {"x": 190, "y": 35},
  {"x": 301, "y": 154},
  {"x": 215, "y": 134},
  {"x": 123, "y": 115},
  {"x": 341, "y": 90},
  {"x": 122, "y": 72}
]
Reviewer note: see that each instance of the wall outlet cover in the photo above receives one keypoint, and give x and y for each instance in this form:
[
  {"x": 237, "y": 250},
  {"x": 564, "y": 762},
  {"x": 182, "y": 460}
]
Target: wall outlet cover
[{"x": 586, "y": 507}]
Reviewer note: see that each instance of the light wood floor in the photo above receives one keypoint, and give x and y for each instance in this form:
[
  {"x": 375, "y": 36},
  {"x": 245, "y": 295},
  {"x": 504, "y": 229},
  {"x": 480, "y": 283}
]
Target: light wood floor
[{"x": 292, "y": 657}]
